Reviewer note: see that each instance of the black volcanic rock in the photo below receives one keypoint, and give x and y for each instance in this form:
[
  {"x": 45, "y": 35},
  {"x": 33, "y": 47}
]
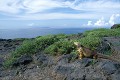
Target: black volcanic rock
[
  {"x": 116, "y": 76},
  {"x": 115, "y": 26},
  {"x": 23, "y": 60},
  {"x": 104, "y": 46},
  {"x": 108, "y": 67},
  {"x": 67, "y": 58},
  {"x": 43, "y": 59},
  {"x": 1, "y": 62},
  {"x": 61, "y": 67}
]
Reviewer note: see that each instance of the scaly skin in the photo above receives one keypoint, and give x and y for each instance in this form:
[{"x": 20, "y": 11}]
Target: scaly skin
[{"x": 86, "y": 52}]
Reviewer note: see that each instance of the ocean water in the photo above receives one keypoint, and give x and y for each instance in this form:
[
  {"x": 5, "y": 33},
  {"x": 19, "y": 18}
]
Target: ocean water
[{"x": 34, "y": 32}]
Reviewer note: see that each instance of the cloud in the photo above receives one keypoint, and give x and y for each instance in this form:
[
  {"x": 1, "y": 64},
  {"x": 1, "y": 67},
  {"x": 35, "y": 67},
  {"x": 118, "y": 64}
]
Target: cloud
[
  {"x": 57, "y": 16},
  {"x": 34, "y": 6},
  {"x": 113, "y": 18},
  {"x": 31, "y": 24},
  {"x": 89, "y": 23},
  {"x": 102, "y": 22},
  {"x": 9, "y": 6},
  {"x": 95, "y": 4},
  {"x": 42, "y": 8},
  {"x": 30, "y": 6}
]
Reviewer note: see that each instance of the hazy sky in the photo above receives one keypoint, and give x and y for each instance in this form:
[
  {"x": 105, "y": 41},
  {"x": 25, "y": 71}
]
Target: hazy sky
[{"x": 58, "y": 13}]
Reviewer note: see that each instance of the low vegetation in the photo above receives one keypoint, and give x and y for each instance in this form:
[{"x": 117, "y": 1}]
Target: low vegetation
[
  {"x": 93, "y": 38},
  {"x": 60, "y": 47},
  {"x": 33, "y": 46},
  {"x": 90, "y": 42},
  {"x": 60, "y": 44},
  {"x": 102, "y": 32}
]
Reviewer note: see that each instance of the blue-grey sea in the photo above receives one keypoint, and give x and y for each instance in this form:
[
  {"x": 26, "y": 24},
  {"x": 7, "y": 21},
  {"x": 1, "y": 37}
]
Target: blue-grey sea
[{"x": 34, "y": 32}]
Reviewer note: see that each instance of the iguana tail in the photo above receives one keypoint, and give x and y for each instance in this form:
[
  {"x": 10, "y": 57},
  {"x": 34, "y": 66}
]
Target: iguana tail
[{"x": 99, "y": 55}]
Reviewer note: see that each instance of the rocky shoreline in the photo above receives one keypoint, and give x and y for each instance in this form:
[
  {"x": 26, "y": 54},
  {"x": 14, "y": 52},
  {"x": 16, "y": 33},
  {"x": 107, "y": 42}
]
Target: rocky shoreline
[{"x": 46, "y": 67}]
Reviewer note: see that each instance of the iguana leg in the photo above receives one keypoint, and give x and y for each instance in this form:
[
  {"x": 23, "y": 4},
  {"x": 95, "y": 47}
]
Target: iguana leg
[
  {"x": 95, "y": 56},
  {"x": 81, "y": 55}
]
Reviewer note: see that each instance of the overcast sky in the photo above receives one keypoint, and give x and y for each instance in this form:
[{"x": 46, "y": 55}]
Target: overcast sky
[{"x": 58, "y": 13}]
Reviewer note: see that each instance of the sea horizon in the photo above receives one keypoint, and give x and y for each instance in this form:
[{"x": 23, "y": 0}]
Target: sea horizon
[{"x": 34, "y": 32}]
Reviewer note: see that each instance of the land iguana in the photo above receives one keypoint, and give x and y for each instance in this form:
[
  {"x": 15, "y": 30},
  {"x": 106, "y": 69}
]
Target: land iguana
[{"x": 86, "y": 52}]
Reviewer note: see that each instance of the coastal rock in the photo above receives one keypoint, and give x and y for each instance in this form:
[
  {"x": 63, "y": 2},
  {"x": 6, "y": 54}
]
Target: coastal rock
[
  {"x": 108, "y": 67},
  {"x": 7, "y": 45},
  {"x": 70, "y": 71},
  {"x": 115, "y": 26},
  {"x": 116, "y": 76},
  {"x": 44, "y": 60},
  {"x": 114, "y": 43},
  {"x": 104, "y": 46},
  {"x": 8, "y": 73},
  {"x": 23, "y": 60},
  {"x": 65, "y": 70},
  {"x": 1, "y": 62},
  {"x": 67, "y": 58},
  {"x": 62, "y": 67},
  {"x": 9, "y": 40},
  {"x": 74, "y": 70},
  {"x": 2, "y": 40}
]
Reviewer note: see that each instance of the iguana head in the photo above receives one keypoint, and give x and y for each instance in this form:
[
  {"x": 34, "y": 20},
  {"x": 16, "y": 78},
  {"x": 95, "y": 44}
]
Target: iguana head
[{"x": 78, "y": 44}]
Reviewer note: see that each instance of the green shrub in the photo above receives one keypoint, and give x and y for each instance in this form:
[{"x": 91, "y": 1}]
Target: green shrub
[
  {"x": 73, "y": 57},
  {"x": 103, "y": 32},
  {"x": 8, "y": 62},
  {"x": 74, "y": 36},
  {"x": 60, "y": 47},
  {"x": 61, "y": 36},
  {"x": 92, "y": 38},
  {"x": 33, "y": 46},
  {"x": 58, "y": 44},
  {"x": 28, "y": 47},
  {"x": 94, "y": 30},
  {"x": 90, "y": 42},
  {"x": 45, "y": 41}
]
